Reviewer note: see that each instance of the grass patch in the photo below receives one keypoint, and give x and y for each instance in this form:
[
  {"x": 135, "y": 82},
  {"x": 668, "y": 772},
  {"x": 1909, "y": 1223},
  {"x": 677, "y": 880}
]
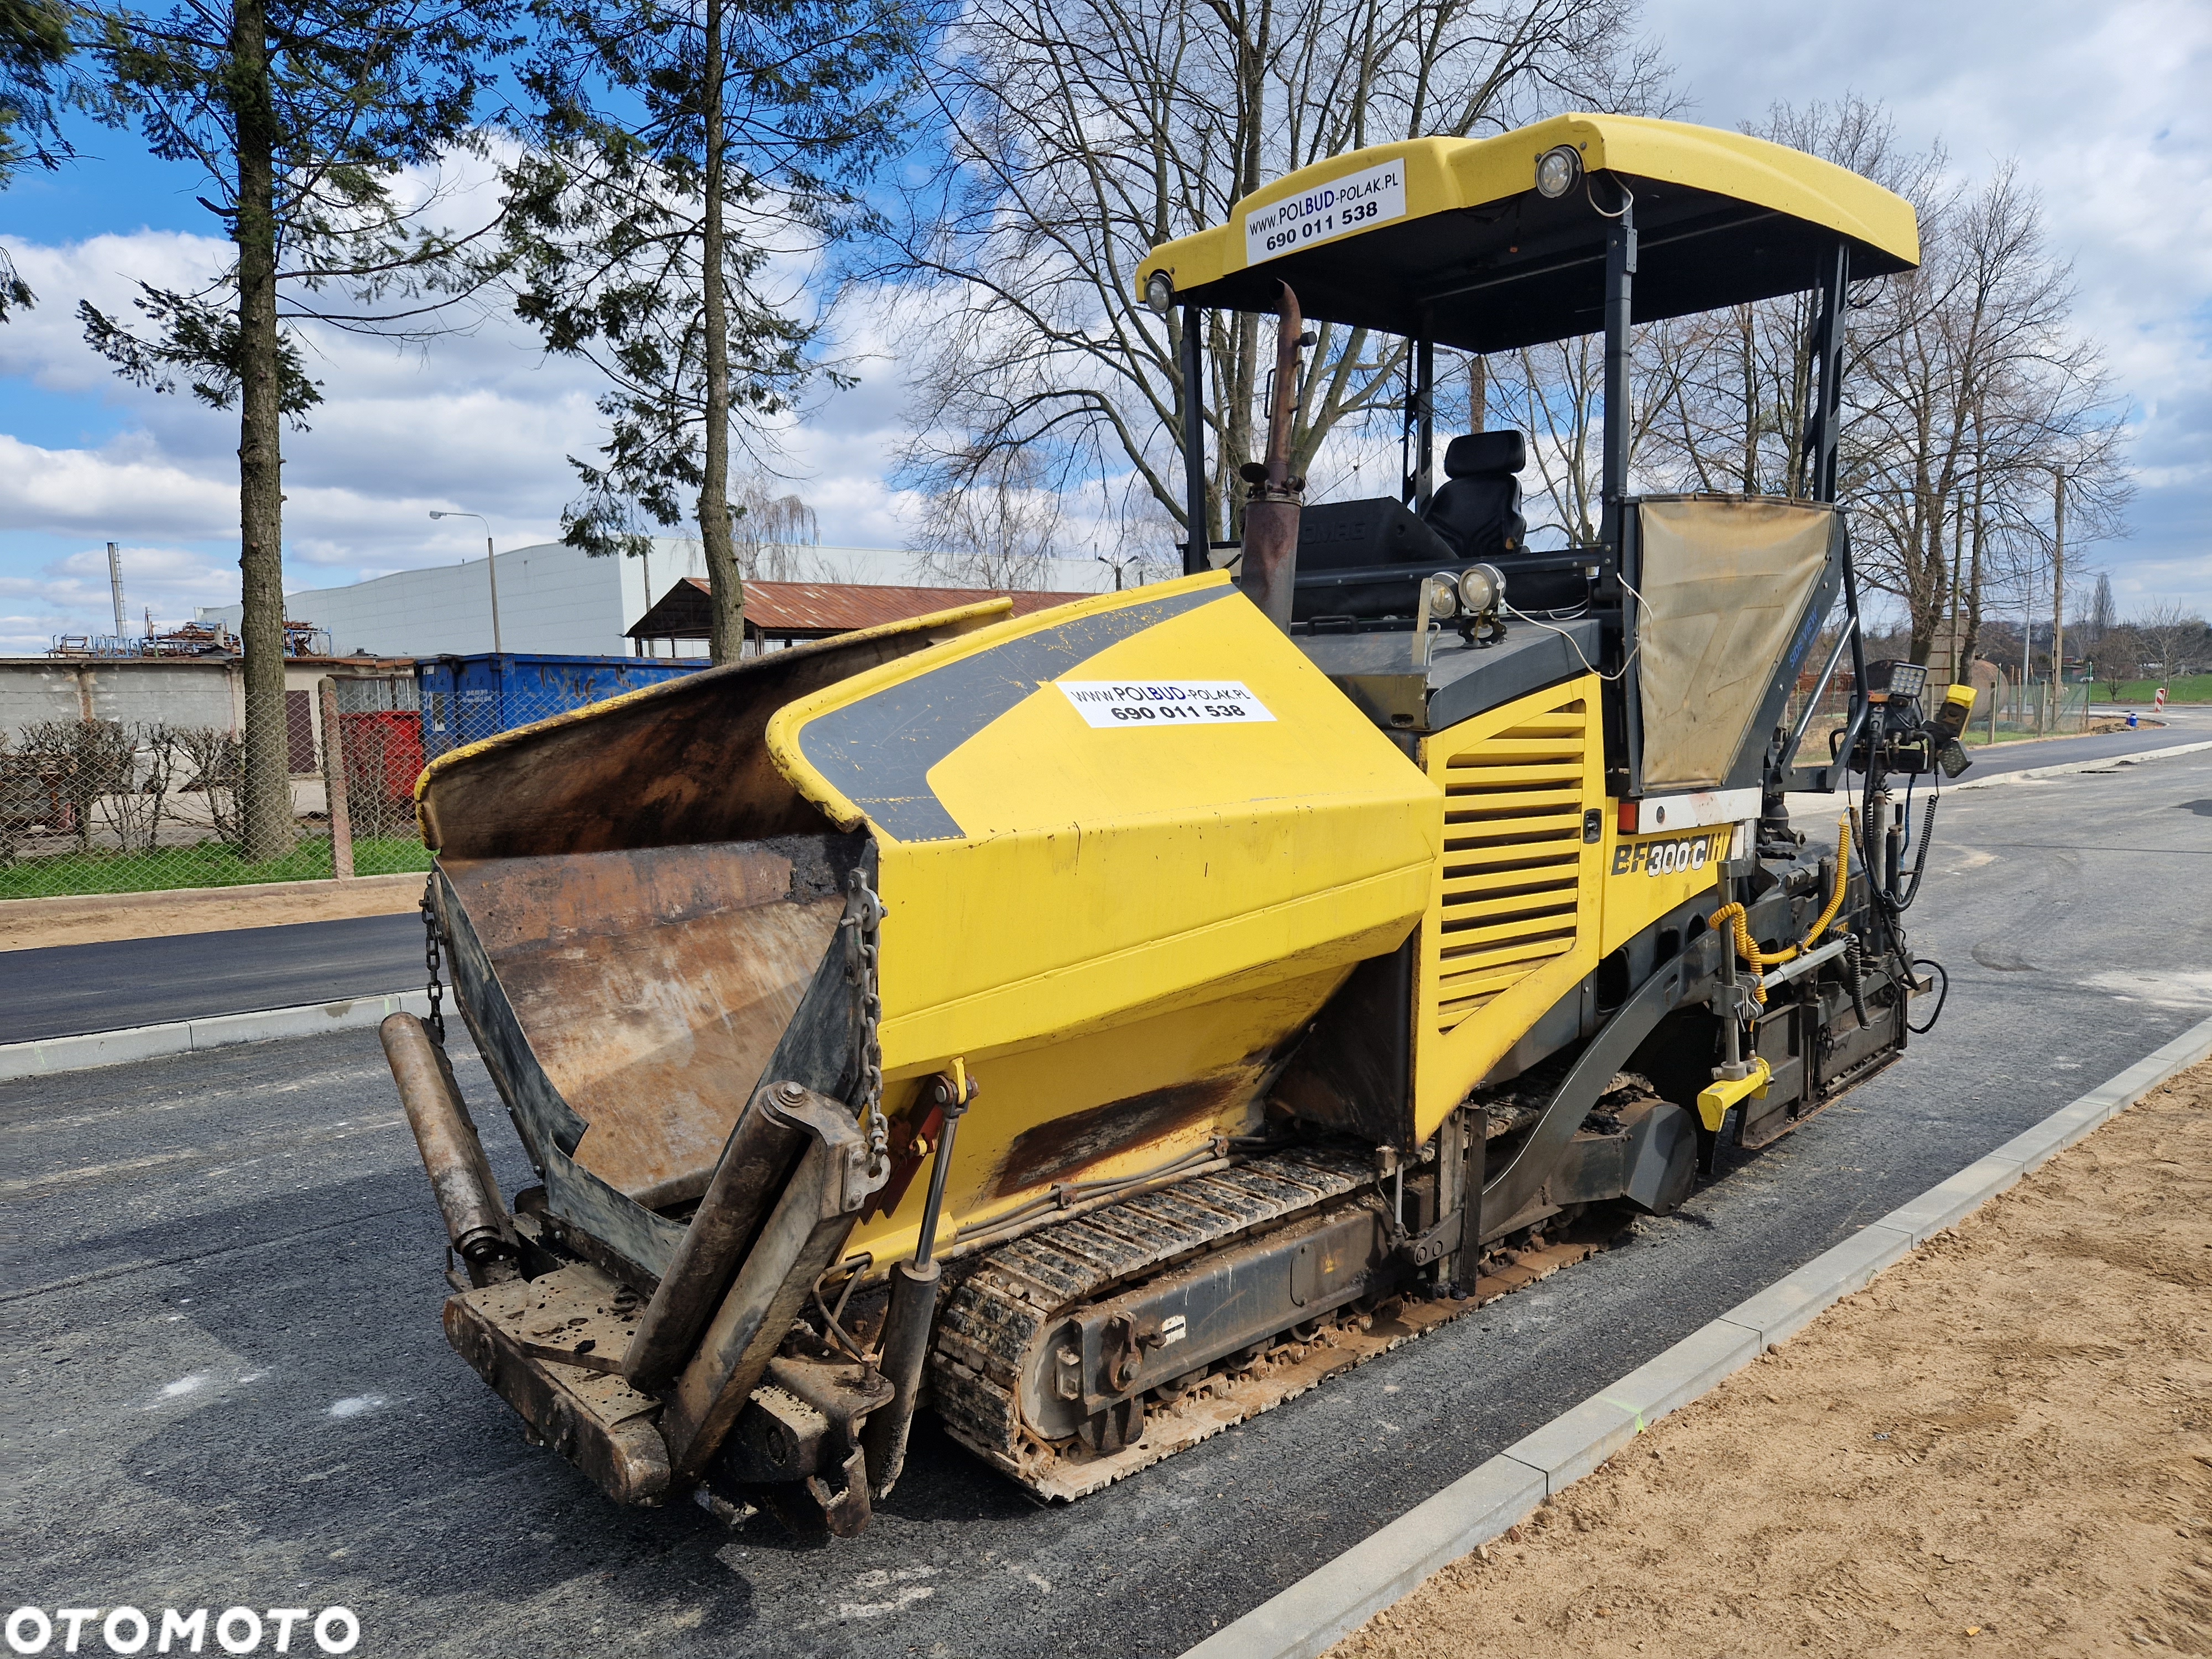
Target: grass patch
[
  {"x": 210, "y": 864},
  {"x": 2182, "y": 688}
]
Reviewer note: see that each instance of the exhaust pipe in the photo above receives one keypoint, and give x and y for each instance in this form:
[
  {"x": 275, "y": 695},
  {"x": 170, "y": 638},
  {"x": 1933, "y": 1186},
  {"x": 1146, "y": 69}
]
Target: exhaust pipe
[
  {"x": 1269, "y": 573},
  {"x": 476, "y": 1221}
]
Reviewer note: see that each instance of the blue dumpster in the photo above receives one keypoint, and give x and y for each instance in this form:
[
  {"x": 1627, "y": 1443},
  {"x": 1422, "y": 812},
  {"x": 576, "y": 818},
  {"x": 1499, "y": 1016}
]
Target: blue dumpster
[{"x": 468, "y": 698}]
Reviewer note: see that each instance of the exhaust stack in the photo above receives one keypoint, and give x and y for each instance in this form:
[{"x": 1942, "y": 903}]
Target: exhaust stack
[{"x": 1271, "y": 513}]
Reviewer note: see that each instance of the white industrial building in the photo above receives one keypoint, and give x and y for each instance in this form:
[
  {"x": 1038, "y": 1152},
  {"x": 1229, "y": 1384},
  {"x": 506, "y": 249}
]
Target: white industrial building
[{"x": 556, "y": 599}]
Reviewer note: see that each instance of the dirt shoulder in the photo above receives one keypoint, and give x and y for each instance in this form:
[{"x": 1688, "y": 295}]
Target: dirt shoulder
[
  {"x": 2004, "y": 1445},
  {"x": 31, "y": 924}
]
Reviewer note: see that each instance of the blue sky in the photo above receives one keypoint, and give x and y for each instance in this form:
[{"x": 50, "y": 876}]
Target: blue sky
[{"x": 2103, "y": 108}]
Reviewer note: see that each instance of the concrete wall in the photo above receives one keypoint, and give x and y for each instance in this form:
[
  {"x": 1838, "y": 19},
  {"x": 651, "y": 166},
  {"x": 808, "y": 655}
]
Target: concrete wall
[{"x": 189, "y": 692}]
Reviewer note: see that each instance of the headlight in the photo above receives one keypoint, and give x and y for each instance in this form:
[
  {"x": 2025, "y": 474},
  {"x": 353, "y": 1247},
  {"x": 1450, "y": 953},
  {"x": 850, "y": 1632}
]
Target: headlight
[
  {"x": 1557, "y": 171},
  {"x": 1480, "y": 588},
  {"x": 1444, "y": 596},
  {"x": 1159, "y": 292}
]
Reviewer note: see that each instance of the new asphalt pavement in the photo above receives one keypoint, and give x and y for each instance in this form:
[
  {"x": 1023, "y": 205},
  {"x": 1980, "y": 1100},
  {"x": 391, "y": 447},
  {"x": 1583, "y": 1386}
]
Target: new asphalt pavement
[
  {"x": 63, "y": 990},
  {"x": 68, "y": 988},
  {"x": 222, "y": 1286}
]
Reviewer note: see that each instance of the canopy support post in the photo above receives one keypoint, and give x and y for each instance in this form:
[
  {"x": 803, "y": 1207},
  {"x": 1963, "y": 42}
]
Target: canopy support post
[
  {"x": 1197, "y": 552},
  {"x": 1620, "y": 282},
  {"x": 1623, "y": 745},
  {"x": 1822, "y": 424},
  {"x": 1423, "y": 423}
]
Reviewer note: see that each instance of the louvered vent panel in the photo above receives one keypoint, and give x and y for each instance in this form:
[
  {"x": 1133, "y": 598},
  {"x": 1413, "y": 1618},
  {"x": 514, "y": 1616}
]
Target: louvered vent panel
[{"x": 1513, "y": 858}]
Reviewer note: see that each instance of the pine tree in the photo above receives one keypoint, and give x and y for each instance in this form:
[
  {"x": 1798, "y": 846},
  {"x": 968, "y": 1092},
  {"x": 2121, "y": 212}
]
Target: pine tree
[
  {"x": 302, "y": 115},
  {"x": 676, "y": 147}
]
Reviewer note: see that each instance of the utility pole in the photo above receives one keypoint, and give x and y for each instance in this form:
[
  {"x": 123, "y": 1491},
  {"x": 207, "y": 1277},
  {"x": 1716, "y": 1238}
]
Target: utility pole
[
  {"x": 2058, "y": 592},
  {"x": 115, "y": 584},
  {"x": 491, "y": 569}
]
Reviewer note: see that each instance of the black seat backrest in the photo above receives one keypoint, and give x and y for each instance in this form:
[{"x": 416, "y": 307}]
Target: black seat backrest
[
  {"x": 1363, "y": 535},
  {"x": 1477, "y": 508},
  {"x": 1332, "y": 534}
]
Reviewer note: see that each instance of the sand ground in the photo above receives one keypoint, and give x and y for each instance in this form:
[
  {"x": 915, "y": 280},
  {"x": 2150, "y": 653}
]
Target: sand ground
[
  {"x": 2002, "y": 1446},
  {"x": 30, "y": 924}
]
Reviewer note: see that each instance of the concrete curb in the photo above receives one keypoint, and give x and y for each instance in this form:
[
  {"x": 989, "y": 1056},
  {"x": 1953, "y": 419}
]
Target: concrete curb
[
  {"x": 2066, "y": 767},
  {"x": 1335, "y": 1599},
  {"x": 51, "y": 1056}
]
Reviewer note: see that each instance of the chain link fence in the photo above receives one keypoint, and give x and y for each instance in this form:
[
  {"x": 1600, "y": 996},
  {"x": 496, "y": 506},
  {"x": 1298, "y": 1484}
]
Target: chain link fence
[
  {"x": 2012, "y": 710},
  {"x": 92, "y": 806}
]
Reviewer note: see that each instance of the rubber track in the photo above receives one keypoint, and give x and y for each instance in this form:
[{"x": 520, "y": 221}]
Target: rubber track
[{"x": 992, "y": 1324}]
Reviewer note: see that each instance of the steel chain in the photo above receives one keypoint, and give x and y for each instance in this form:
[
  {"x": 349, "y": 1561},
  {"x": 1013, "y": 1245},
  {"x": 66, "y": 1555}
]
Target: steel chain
[
  {"x": 432, "y": 960},
  {"x": 864, "y": 915}
]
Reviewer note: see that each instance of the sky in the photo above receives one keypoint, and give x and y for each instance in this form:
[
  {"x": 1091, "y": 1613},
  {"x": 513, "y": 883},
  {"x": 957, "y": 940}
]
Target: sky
[{"x": 2102, "y": 108}]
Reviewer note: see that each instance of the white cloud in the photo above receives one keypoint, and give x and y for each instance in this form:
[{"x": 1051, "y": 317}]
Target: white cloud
[
  {"x": 2104, "y": 109},
  {"x": 482, "y": 421}
]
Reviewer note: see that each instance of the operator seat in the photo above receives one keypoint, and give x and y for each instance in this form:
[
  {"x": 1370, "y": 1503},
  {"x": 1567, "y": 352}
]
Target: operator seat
[{"x": 1477, "y": 509}]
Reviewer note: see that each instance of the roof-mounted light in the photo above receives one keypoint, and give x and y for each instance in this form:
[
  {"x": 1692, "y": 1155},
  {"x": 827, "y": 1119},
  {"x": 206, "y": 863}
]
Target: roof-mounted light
[
  {"x": 1159, "y": 292},
  {"x": 1557, "y": 170},
  {"x": 1481, "y": 589},
  {"x": 1442, "y": 592}
]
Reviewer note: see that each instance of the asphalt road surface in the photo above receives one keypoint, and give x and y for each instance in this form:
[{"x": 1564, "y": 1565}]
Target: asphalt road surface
[
  {"x": 2191, "y": 724},
  {"x": 222, "y": 1292},
  {"x": 68, "y": 988}
]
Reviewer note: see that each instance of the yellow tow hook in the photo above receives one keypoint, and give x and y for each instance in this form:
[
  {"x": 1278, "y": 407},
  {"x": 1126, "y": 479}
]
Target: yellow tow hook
[{"x": 1716, "y": 1098}]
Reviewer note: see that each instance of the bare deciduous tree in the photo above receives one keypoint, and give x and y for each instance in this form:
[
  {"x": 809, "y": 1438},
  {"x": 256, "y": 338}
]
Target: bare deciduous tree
[
  {"x": 1079, "y": 134},
  {"x": 1000, "y": 529},
  {"x": 1965, "y": 384},
  {"x": 769, "y": 531},
  {"x": 1975, "y": 386},
  {"x": 2171, "y": 636}
]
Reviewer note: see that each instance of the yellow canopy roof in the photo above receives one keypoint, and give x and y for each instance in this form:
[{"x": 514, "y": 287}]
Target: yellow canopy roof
[{"x": 1449, "y": 238}]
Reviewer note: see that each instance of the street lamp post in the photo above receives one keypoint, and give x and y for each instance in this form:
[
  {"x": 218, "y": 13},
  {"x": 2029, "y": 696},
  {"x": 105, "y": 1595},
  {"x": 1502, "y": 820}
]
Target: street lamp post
[
  {"x": 491, "y": 570},
  {"x": 2058, "y": 592}
]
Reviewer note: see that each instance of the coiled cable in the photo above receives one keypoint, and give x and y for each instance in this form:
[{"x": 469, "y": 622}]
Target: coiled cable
[{"x": 1759, "y": 960}]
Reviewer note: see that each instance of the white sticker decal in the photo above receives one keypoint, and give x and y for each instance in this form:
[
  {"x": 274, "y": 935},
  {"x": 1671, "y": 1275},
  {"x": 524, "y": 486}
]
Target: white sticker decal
[
  {"x": 1356, "y": 202},
  {"x": 1126, "y": 703}
]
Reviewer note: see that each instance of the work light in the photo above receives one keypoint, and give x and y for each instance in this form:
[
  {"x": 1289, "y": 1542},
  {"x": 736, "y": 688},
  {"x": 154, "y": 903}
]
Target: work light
[
  {"x": 1159, "y": 292},
  {"x": 1895, "y": 682},
  {"x": 1444, "y": 596},
  {"x": 1557, "y": 171},
  {"x": 1481, "y": 586}
]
